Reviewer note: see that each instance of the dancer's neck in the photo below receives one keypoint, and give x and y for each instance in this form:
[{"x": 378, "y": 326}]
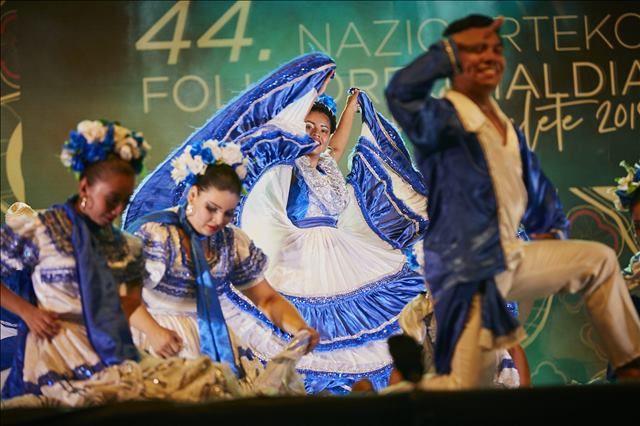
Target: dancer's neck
[{"x": 313, "y": 160}]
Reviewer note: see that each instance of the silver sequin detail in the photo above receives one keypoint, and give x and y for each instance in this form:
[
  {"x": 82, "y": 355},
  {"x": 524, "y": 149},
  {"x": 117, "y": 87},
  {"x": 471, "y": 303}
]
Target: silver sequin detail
[{"x": 329, "y": 189}]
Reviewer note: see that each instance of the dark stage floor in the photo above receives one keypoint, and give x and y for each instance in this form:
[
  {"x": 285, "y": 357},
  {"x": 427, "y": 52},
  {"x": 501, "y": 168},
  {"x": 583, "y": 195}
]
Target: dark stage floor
[{"x": 566, "y": 405}]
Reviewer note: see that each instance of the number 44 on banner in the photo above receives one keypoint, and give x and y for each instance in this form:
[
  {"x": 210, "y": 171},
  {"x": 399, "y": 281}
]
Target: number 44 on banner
[{"x": 207, "y": 40}]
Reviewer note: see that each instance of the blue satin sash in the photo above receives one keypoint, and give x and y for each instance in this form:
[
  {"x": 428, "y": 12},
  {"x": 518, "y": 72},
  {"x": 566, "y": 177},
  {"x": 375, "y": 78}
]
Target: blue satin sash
[
  {"x": 298, "y": 200},
  {"x": 214, "y": 335},
  {"x": 107, "y": 327}
]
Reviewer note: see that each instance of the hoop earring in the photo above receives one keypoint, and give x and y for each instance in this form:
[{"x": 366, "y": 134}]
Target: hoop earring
[
  {"x": 189, "y": 209},
  {"x": 83, "y": 203}
]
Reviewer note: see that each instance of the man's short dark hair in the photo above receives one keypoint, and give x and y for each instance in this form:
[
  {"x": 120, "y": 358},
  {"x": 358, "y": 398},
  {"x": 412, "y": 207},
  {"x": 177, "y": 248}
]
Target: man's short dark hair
[
  {"x": 407, "y": 357},
  {"x": 471, "y": 21}
]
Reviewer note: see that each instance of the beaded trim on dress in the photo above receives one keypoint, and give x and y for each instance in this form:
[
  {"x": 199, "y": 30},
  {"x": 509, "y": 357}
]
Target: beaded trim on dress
[{"x": 329, "y": 188}]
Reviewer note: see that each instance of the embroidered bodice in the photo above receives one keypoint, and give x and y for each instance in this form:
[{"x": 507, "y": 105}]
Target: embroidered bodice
[
  {"x": 169, "y": 279},
  {"x": 41, "y": 244},
  {"x": 316, "y": 192}
]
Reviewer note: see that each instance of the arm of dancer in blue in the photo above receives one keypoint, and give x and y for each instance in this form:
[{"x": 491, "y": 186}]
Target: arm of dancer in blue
[{"x": 420, "y": 115}]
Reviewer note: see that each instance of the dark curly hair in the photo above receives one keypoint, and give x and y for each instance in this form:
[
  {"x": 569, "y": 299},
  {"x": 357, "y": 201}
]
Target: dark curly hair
[
  {"x": 407, "y": 357},
  {"x": 470, "y": 21},
  {"x": 322, "y": 108}
]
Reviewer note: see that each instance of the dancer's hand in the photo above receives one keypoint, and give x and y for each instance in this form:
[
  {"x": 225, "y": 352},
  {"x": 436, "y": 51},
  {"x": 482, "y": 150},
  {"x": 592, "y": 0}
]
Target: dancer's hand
[
  {"x": 165, "y": 343},
  {"x": 352, "y": 100},
  {"x": 314, "y": 338},
  {"x": 42, "y": 323}
]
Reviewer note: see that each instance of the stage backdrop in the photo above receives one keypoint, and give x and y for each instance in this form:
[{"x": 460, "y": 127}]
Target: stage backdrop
[{"x": 164, "y": 67}]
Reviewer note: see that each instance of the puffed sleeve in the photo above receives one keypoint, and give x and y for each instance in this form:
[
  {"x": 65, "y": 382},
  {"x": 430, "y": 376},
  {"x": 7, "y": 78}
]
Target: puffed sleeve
[
  {"x": 18, "y": 248},
  {"x": 156, "y": 251},
  {"x": 250, "y": 263},
  {"x": 133, "y": 272}
]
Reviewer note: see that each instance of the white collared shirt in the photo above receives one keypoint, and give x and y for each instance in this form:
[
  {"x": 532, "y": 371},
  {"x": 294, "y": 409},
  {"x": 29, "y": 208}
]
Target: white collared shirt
[{"x": 505, "y": 167}]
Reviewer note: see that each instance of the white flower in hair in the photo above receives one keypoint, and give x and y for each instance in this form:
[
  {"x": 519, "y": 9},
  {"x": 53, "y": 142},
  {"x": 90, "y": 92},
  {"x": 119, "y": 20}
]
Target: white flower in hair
[
  {"x": 196, "y": 165},
  {"x": 231, "y": 154},
  {"x": 187, "y": 166},
  {"x": 214, "y": 146},
  {"x": 125, "y": 152},
  {"x": 180, "y": 169},
  {"x": 93, "y": 131},
  {"x": 120, "y": 133},
  {"x": 241, "y": 171},
  {"x": 133, "y": 146},
  {"x": 95, "y": 140}
]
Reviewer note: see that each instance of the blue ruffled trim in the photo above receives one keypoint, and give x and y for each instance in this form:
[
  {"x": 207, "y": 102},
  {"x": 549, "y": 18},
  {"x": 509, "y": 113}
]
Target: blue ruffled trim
[
  {"x": 268, "y": 150},
  {"x": 412, "y": 259},
  {"x": 390, "y": 145},
  {"x": 265, "y": 149},
  {"x": 369, "y": 190},
  {"x": 341, "y": 383},
  {"x": 353, "y": 316}
]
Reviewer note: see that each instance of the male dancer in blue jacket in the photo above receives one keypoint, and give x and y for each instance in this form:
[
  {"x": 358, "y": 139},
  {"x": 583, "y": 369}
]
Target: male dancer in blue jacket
[{"x": 483, "y": 182}]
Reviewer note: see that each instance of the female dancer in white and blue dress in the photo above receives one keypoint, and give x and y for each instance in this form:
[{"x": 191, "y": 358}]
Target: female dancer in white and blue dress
[
  {"x": 190, "y": 253},
  {"x": 71, "y": 279},
  {"x": 335, "y": 246}
]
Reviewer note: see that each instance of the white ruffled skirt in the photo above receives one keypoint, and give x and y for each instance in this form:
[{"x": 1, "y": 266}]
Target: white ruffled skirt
[{"x": 346, "y": 282}]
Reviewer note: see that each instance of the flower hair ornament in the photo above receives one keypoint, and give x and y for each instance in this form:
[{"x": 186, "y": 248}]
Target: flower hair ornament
[
  {"x": 628, "y": 186},
  {"x": 195, "y": 159},
  {"x": 97, "y": 140}
]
